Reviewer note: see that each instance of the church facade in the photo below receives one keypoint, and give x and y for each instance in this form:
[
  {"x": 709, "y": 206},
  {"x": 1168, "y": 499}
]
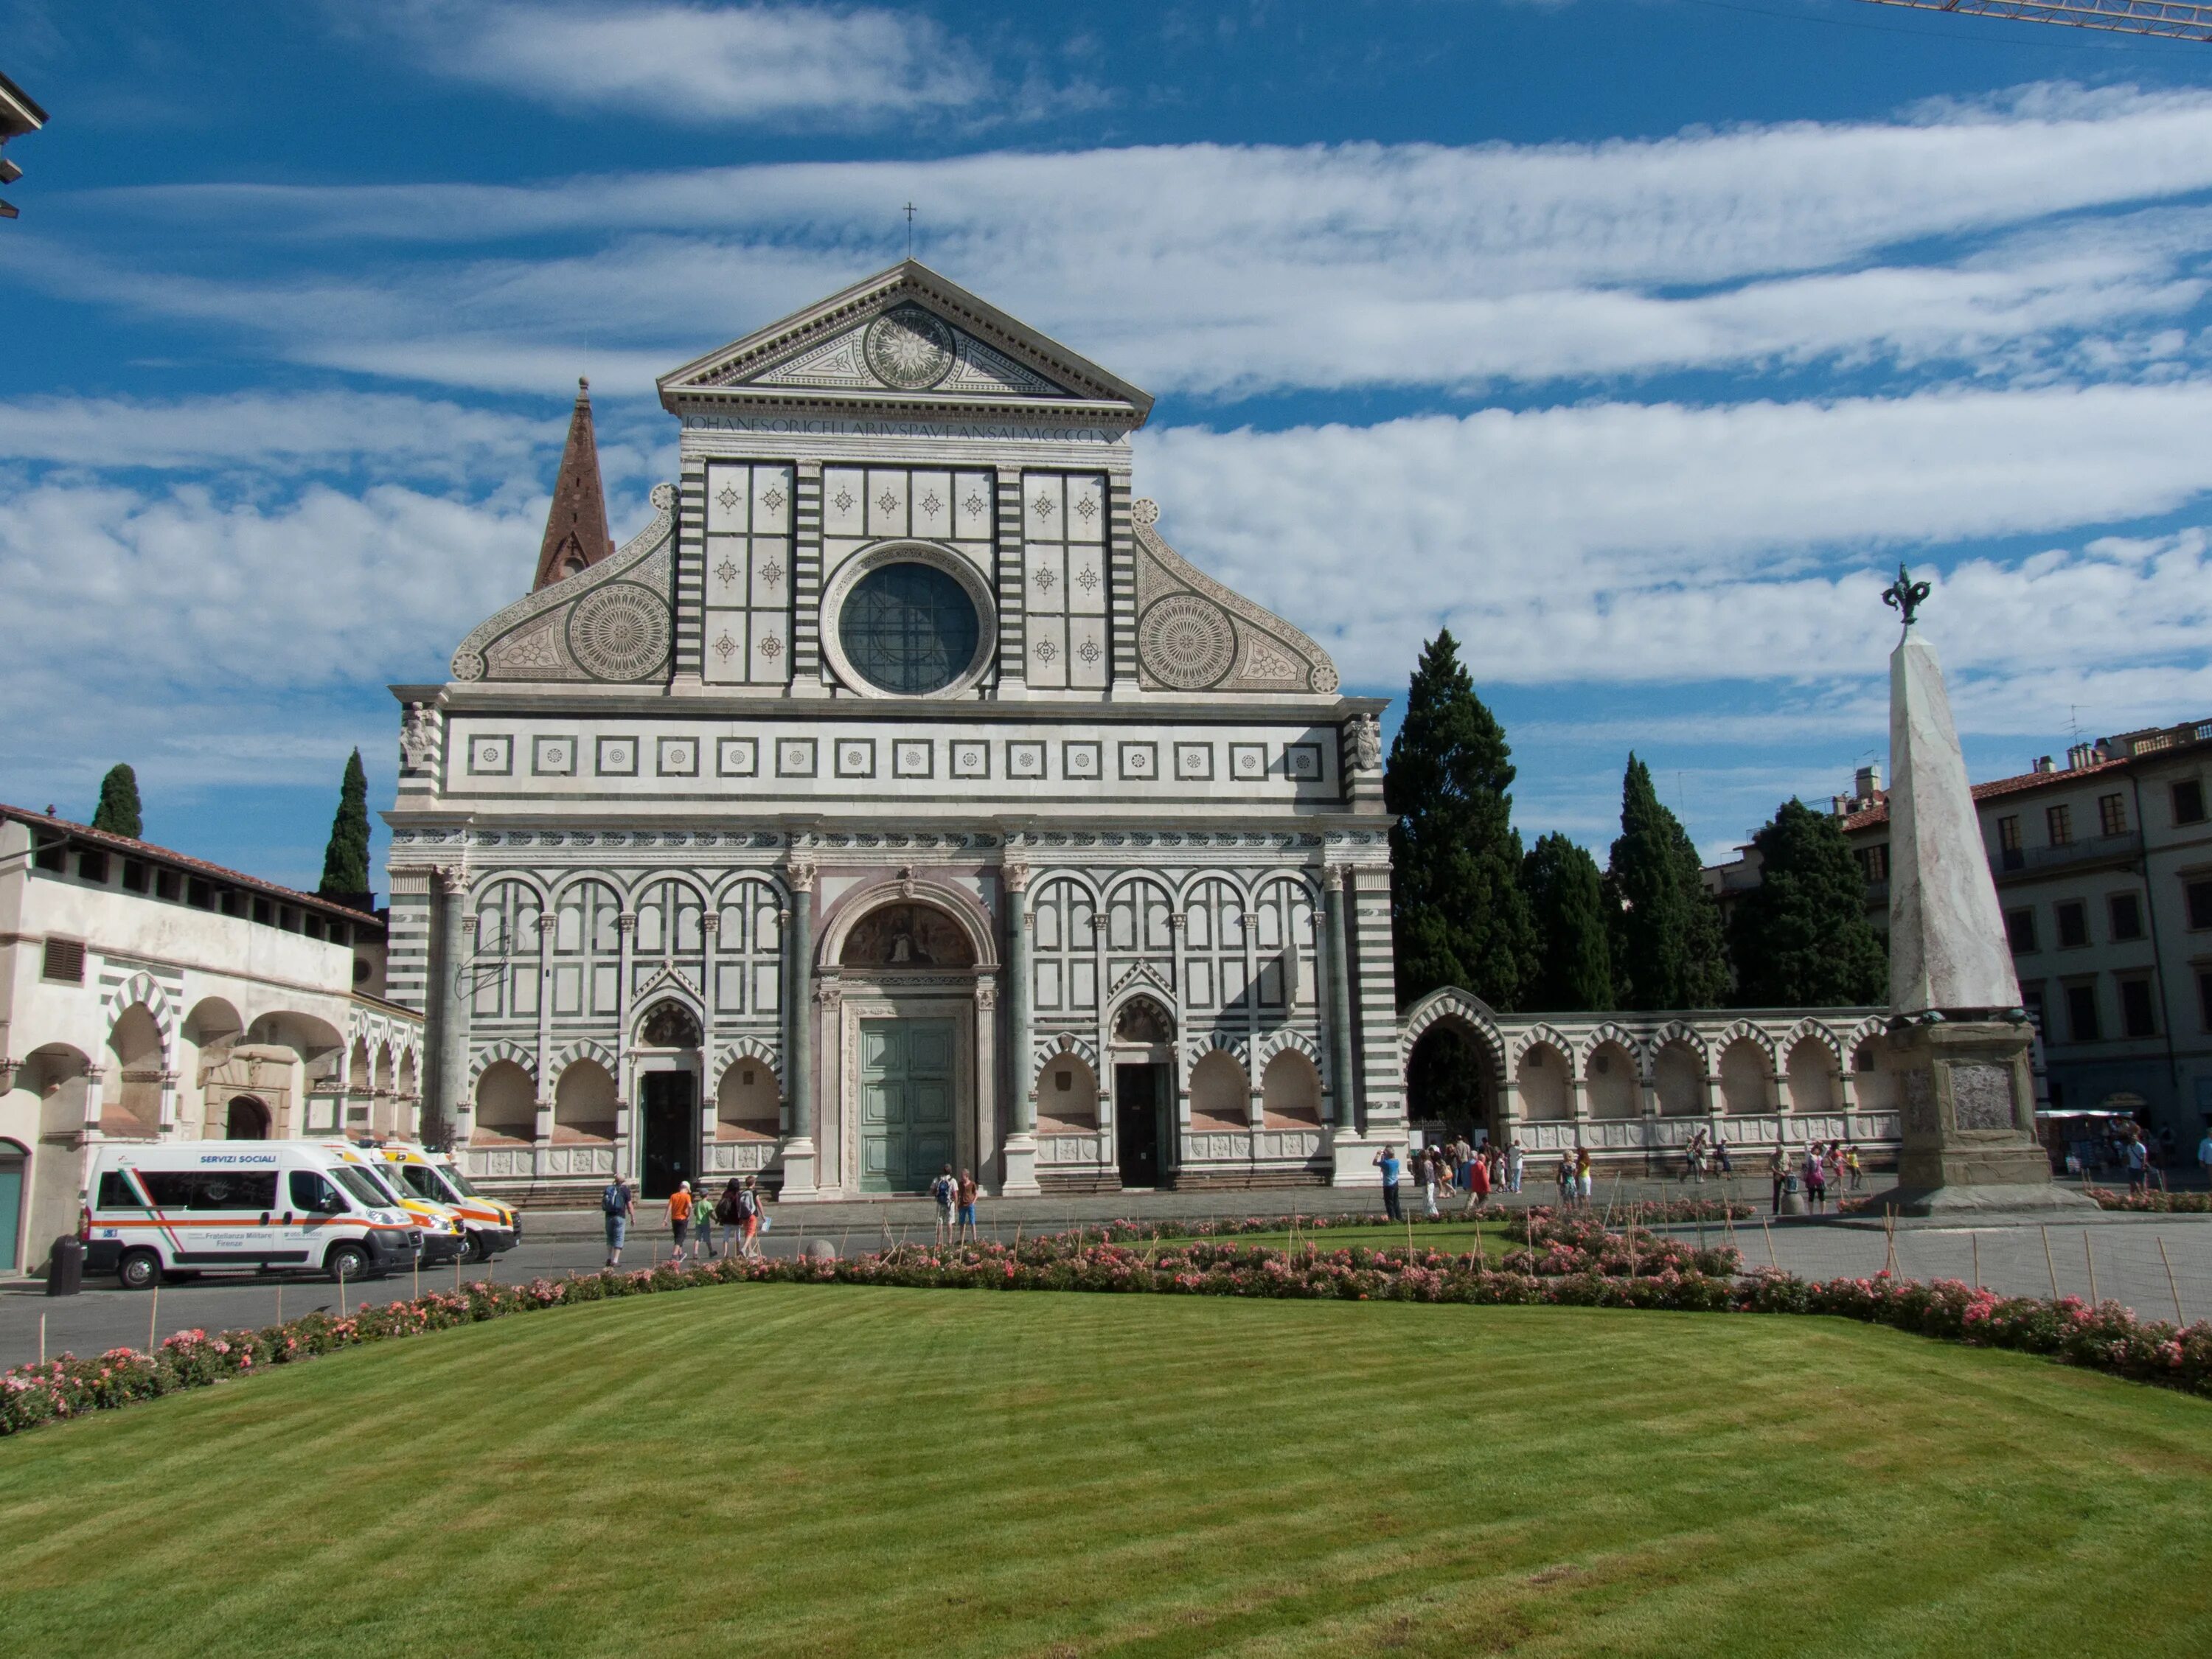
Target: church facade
[{"x": 897, "y": 797}]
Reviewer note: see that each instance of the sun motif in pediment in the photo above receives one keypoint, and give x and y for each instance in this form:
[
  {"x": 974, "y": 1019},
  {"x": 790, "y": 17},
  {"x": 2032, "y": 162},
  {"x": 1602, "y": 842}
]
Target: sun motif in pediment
[{"x": 908, "y": 349}]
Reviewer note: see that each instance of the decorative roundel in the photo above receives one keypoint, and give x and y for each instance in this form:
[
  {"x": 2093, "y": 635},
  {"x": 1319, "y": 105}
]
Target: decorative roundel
[
  {"x": 663, "y": 498},
  {"x": 908, "y": 349},
  {"x": 1144, "y": 510},
  {"x": 1185, "y": 642},
  {"x": 620, "y": 632}
]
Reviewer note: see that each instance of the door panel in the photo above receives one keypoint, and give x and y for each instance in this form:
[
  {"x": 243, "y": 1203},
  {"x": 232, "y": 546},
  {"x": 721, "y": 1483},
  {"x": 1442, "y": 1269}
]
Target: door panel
[{"x": 907, "y": 1103}]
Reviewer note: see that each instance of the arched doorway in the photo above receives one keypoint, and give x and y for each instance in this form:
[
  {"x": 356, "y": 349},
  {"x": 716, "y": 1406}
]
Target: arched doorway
[
  {"x": 1143, "y": 1058},
  {"x": 14, "y": 1160},
  {"x": 669, "y": 1099},
  {"x": 247, "y": 1119},
  {"x": 907, "y": 1084},
  {"x": 1450, "y": 1086}
]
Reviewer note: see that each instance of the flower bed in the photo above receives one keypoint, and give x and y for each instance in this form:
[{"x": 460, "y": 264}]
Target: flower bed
[
  {"x": 1599, "y": 1270},
  {"x": 1646, "y": 1212},
  {"x": 2153, "y": 1203}
]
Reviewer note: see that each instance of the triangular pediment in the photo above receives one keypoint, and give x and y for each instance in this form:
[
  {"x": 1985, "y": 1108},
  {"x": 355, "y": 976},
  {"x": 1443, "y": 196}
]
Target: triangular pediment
[{"x": 909, "y": 340}]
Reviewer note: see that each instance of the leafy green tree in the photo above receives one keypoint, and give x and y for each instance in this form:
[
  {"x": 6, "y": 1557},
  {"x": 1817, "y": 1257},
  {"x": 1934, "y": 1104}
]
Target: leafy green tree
[
  {"x": 1566, "y": 900},
  {"x": 345, "y": 860},
  {"x": 1800, "y": 937},
  {"x": 1459, "y": 916},
  {"x": 1667, "y": 948},
  {"x": 117, "y": 812}
]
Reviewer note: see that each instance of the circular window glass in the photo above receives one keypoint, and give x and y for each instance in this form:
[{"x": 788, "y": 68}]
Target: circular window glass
[{"x": 909, "y": 629}]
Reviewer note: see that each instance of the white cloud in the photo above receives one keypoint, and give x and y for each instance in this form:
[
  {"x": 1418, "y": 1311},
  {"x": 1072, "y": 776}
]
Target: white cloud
[{"x": 708, "y": 65}]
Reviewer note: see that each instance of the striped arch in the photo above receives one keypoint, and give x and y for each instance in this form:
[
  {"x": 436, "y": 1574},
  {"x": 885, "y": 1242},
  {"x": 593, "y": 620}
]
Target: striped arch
[
  {"x": 1041, "y": 879},
  {"x": 1181, "y": 891},
  {"x": 1216, "y": 1041},
  {"x": 1677, "y": 1032},
  {"x": 487, "y": 880},
  {"x": 743, "y": 879},
  {"x": 1549, "y": 1036},
  {"x": 1462, "y": 1008},
  {"x": 1052, "y": 1047},
  {"x": 1744, "y": 1030},
  {"x": 751, "y": 1047},
  {"x": 1820, "y": 1032},
  {"x": 1275, "y": 1042},
  {"x": 503, "y": 1049},
  {"x": 143, "y": 987},
  {"x": 1622, "y": 1038},
  {"x": 1873, "y": 1026},
  {"x": 584, "y": 1048}
]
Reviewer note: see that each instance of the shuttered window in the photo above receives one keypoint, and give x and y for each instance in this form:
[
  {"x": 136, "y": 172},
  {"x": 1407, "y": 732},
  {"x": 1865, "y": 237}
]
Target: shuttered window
[{"x": 65, "y": 961}]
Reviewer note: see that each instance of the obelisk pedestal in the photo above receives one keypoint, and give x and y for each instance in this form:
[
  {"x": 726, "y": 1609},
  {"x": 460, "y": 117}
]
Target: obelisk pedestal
[{"x": 1959, "y": 1040}]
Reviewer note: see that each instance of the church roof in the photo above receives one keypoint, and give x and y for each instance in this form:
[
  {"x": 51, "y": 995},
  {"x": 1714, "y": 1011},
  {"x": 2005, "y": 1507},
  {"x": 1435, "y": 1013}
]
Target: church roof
[
  {"x": 576, "y": 534},
  {"x": 906, "y": 341}
]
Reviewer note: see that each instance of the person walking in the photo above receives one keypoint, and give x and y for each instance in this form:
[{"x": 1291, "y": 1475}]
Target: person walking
[
  {"x": 679, "y": 1219},
  {"x": 2136, "y": 1156},
  {"x": 1478, "y": 1184},
  {"x": 1722, "y": 1163},
  {"x": 1387, "y": 1161},
  {"x": 619, "y": 1205},
  {"x": 703, "y": 1222},
  {"x": 1777, "y": 1169},
  {"x": 945, "y": 1190},
  {"x": 1513, "y": 1159},
  {"x": 1563, "y": 1179},
  {"x": 1584, "y": 1173},
  {"x": 1816, "y": 1184},
  {"x": 749, "y": 1218},
  {"x": 1854, "y": 1169},
  {"x": 730, "y": 1210},
  {"x": 966, "y": 1194},
  {"x": 1426, "y": 1167}
]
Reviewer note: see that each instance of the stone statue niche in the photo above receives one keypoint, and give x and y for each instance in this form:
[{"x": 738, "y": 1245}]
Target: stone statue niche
[
  {"x": 906, "y": 936},
  {"x": 669, "y": 1025}
]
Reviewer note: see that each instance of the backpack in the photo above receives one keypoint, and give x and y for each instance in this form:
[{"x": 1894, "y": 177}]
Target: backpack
[{"x": 614, "y": 1201}]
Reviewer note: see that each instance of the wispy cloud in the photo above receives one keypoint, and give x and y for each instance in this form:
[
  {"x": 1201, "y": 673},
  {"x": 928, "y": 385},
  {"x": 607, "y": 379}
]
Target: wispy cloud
[{"x": 708, "y": 65}]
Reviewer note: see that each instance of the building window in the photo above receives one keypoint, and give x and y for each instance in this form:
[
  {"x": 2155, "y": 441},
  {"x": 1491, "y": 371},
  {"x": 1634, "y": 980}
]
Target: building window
[
  {"x": 233, "y": 903},
  {"x": 312, "y": 926},
  {"x": 2200, "y": 904},
  {"x": 2073, "y": 918},
  {"x": 2082, "y": 1013},
  {"x": 2137, "y": 1017},
  {"x": 201, "y": 894},
  {"x": 263, "y": 912},
  {"x": 2059, "y": 820},
  {"x": 909, "y": 629},
  {"x": 168, "y": 884},
  {"x": 2009, "y": 853},
  {"x": 1875, "y": 861},
  {"x": 2127, "y": 916},
  {"x": 2112, "y": 816},
  {"x": 135, "y": 874},
  {"x": 65, "y": 961},
  {"x": 2019, "y": 931},
  {"x": 53, "y": 856},
  {"x": 2189, "y": 801},
  {"x": 92, "y": 866}
]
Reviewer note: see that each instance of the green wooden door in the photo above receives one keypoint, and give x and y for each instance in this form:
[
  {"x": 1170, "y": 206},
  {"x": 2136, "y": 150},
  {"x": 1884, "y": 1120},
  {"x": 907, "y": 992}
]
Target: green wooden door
[{"x": 906, "y": 1102}]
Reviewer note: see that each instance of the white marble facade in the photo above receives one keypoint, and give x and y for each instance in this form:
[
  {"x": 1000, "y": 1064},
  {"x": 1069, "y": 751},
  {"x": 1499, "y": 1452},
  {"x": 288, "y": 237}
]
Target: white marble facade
[{"x": 897, "y": 796}]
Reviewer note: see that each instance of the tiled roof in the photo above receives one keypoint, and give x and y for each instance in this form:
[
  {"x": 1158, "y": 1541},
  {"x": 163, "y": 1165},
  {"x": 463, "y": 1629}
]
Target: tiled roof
[
  {"x": 145, "y": 849},
  {"x": 2020, "y": 784}
]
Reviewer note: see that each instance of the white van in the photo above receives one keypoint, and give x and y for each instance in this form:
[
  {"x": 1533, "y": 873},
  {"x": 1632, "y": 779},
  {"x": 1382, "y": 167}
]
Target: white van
[
  {"x": 493, "y": 1228},
  {"x": 189, "y": 1207},
  {"x": 444, "y": 1238}
]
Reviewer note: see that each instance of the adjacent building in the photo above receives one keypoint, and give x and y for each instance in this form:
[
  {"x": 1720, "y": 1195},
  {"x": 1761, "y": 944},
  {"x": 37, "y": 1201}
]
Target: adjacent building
[{"x": 147, "y": 995}]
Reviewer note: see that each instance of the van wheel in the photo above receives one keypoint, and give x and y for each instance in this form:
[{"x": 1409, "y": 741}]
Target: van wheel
[
  {"x": 138, "y": 1270},
  {"x": 477, "y": 1250},
  {"x": 347, "y": 1261}
]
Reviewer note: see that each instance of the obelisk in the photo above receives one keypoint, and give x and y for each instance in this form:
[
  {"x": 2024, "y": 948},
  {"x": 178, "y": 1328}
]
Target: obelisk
[{"x": 1959, "y": 1040}]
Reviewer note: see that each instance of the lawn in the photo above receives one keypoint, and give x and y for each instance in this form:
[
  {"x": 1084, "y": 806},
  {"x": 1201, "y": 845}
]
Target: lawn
[{"x": 768, "y": 1469}]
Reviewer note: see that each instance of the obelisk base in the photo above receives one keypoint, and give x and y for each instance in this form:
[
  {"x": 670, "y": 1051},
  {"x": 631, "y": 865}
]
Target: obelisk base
[{"x": 1966, "y": 1117}]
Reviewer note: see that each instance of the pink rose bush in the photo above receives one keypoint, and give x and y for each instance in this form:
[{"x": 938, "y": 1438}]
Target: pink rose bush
[{"x": 1574, "y": 1261}]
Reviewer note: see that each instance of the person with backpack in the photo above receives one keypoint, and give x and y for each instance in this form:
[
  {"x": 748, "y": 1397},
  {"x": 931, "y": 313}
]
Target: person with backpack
[
  {"x": 945, "y": 1190},
  {"x": 619, "y": 1205},
  {"x": 729, "y": 1212},
  {"x": 750, "y": 1217},
  {"x": 966, "y": 1194}
]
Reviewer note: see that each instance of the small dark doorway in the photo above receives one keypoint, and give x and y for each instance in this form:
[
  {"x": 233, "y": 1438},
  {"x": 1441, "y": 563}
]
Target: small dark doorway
[
  {"x": 1138, "y": 1094},
  {"x": 672, "y": 1133},
  {"x": 248, "y": 1120}
]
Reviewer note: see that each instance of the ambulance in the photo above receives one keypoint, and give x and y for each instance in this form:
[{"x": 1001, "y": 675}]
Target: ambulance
[
  {"x": 444, "y": 1238},
  {"x": 492, "y": 1227},
  {"x": 178, "y": 1210}
]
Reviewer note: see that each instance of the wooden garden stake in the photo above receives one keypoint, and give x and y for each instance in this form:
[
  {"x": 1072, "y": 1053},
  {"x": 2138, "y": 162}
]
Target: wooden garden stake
[
  {"x": 153, "y": 1316},
  {"x": 2090, "y": 1256},
  {"x": 42, "y": 1339},
  {"x": 1769, "y": 1232},
  {"x": 2172, "y": 1289},
  {"x": 1975, "y": 1240},
  {"x": 2051, "y": 1264}
]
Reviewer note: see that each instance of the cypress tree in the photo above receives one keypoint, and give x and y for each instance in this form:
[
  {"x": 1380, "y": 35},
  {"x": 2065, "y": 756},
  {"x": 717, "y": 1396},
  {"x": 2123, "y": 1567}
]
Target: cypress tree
[
  {"x": 345, "y": 860},
  {"x": 1459, "y": 916},
  {"x": 117, "y": 812},
  {"x": 1667, "y": 948},
  {"x": 1800, "y": 937},
  {"x": 1566, "y": 901}
]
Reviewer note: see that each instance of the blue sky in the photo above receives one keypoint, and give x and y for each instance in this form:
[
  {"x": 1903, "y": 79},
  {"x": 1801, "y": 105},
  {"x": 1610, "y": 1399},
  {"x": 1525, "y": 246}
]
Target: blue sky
[{"x": 1635, "y": 339}]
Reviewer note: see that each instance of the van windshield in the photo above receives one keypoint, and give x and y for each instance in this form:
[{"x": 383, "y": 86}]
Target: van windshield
[
  {"x": 459, "y": 1182},
  {"x": 361, "y": 1188},
  {"x": 380, "y": 1179},
  {"x": 415, "y": 1178}
]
